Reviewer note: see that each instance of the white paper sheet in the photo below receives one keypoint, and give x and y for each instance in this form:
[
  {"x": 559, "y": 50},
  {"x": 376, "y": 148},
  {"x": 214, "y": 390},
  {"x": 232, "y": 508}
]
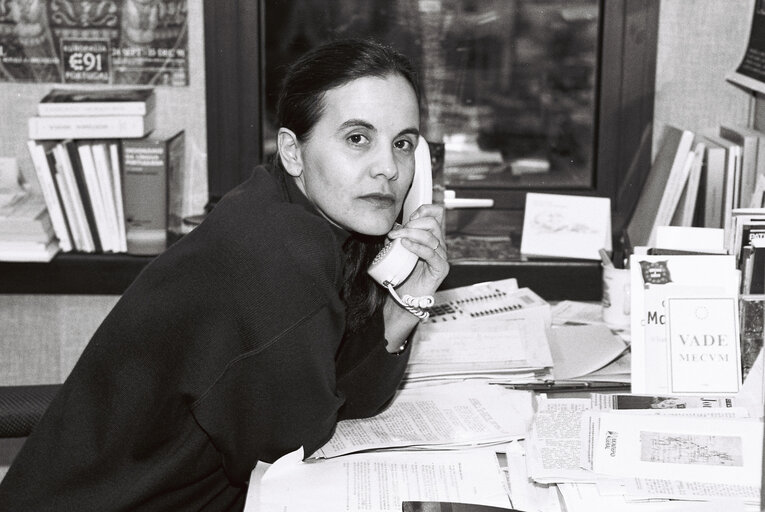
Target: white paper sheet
[
  {"x": 379, "y": 482},
  {"x": 449, "y": 415}
]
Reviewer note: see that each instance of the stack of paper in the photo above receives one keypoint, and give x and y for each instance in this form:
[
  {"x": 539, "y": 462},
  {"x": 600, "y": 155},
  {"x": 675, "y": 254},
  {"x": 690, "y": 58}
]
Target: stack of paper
[
  {"x": 501, "y": 349},
  {"x": 376, "y": 481},
  {"x": 26, "y": 233},
  {"x": 612, "y": 450},
  {"x": 439, "y": 417}
]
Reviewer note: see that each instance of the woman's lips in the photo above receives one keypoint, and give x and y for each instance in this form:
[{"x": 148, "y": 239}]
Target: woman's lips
[{"x": 382, "y": 201}]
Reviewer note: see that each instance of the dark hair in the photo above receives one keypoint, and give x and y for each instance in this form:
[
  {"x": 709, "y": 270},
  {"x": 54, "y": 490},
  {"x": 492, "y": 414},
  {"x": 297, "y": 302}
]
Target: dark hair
[
  {"x": 299, "y": 108},
  {"x": 326, "y": 67}
]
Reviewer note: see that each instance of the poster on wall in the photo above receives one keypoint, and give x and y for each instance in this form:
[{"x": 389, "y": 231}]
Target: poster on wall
[
  {"x": 751, "y": 72},
  {"x": 138, "y": 42}
]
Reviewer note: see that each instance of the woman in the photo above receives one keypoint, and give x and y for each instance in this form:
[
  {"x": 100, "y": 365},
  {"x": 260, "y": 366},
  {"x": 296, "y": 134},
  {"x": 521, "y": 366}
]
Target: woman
[{"x": 258, "y": 331}]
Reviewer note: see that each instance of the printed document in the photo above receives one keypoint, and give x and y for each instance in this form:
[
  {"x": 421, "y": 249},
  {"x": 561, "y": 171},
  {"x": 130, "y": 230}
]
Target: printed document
[
  {"x": 680, "y": 457},
  {"x": 442, "y": 416},
  {"x": 378, "y": 482}
]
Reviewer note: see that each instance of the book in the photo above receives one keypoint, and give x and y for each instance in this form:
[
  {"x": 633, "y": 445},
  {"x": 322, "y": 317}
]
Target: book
[
  {"x": 90, "y": 127},
  {"x": 108, "y": 185},
  {"x": 27, "y": 213},
  {"x": 753, "y": 155},
  {"x": 89, "y": 209},
  {"x": 732, "y": 177},
  {"x": 92, "y": 190},
  {"x": 147, "y": 165},
  {"x": 41, "y": 252},
  {"x": 46, "y": 178},
  {"x": 116, "y": 168},
  {"x": 684, "y": 324},
  {"x": 566, "y": 226},
  {"x": 713, "y": 181},
  {"x": 675, "y": 146},
  {"x": 686, "y": 205},
  {"x": 96, "y": 102},
  {"x": 70, "y": 194}
]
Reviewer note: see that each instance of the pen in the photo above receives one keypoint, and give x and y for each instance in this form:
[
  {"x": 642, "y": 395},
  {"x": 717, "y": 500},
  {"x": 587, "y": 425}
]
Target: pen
[
  {"x": 553, "y": 387},
  {"x": 604, "y": 257}
]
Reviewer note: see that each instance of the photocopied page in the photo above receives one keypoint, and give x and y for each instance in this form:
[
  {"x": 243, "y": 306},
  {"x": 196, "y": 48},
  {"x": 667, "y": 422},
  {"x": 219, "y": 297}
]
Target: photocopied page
[
  {"x": 439, "y": 417},
  {"x": 681, "y": 457},
  {"x": 498, "y": 346},
  {"x": 379, "y": 482},
  {"x": 554, "y": 449}
]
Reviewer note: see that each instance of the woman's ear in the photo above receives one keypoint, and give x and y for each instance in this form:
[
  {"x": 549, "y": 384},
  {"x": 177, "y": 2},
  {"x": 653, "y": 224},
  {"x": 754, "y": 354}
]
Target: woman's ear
[{"x": 289, "y": 152}]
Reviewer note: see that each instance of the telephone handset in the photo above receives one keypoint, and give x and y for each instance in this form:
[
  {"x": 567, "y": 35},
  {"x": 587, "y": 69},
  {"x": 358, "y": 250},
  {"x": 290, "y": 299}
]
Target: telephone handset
[{"x": 394, "y": 262}]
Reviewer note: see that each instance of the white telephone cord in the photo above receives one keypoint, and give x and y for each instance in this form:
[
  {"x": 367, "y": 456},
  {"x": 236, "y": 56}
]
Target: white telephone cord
[{"x": 414, "y": 305}]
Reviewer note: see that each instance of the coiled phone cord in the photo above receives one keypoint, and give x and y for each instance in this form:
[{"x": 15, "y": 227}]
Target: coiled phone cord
[{"x": 414, "y": 305}]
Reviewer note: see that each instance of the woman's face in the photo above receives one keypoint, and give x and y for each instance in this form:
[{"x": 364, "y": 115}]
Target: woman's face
[{"x": 358, "y": 162}]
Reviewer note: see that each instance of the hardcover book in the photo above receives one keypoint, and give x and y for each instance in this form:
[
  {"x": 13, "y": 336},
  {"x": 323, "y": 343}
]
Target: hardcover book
[
  {"x": 148, "y": 167},
  {"x": 669, "y": 161},
  {"x": 96, "y": 102},
  {"x": 90, "y": 127}
]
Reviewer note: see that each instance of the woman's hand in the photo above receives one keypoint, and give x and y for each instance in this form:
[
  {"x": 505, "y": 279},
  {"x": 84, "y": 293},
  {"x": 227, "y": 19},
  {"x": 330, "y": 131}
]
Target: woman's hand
[{"x": 423, "y": 235}]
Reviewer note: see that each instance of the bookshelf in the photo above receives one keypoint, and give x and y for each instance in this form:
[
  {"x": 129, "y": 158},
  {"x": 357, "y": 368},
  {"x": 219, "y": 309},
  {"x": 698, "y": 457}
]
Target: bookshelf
[{"x": 233, "y": 97}]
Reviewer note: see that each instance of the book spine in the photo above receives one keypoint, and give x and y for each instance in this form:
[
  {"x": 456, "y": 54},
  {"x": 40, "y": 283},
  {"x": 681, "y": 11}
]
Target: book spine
[
  {"x": 45, "y": 176},
  {"x": 70, "y": 197},
  {"x": 89, "y": 127},
  {"x": 145, "y": 172},
  {"x": 117, "y": 179},
  {"x": 106, "y": 187},
  {"x": 93, "y": 187},
  {"x": 105, "y": 108}
]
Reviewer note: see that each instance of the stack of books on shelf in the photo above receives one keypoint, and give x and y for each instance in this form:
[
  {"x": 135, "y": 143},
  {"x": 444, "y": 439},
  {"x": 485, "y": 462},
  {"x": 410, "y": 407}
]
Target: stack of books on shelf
[
  {"x": 26, "y": 231},
  {"x": 698, "y": 179},
  {"x": 103, "y": 169}
]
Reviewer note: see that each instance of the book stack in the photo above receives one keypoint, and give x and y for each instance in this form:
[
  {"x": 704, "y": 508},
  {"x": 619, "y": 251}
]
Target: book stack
[
  {"x": 26, "y": 231},
  {"x": 698, "y": 179},
  {"x": 103, "y": 169}
]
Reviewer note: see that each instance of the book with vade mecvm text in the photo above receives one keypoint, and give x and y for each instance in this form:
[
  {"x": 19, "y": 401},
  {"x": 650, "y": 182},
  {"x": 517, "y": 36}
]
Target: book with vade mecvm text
[{"x": 150, "y": 166}]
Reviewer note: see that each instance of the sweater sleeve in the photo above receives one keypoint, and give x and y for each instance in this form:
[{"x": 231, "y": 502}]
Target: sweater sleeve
[{"x": 367, "y": 374}]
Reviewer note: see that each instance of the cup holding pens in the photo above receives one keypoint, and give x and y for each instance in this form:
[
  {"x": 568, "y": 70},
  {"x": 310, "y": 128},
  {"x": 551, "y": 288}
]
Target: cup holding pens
[{"x": 616, "y": 296}]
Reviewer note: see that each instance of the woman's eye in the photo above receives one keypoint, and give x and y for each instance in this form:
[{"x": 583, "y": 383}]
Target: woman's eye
[
  {"x": 404, "y": 145},
  {"x": 357, "y": 139}
]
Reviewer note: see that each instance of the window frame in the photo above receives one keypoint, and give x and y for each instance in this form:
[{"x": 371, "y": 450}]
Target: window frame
[{"x": 624, "y": 112}]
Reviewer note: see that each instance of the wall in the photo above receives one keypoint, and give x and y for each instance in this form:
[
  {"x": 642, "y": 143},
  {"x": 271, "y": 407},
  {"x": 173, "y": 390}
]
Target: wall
[
  {"x": 177, "y": 108},
  {"x": 700, "y": 41},
  {"x": 43, "y": 335}
]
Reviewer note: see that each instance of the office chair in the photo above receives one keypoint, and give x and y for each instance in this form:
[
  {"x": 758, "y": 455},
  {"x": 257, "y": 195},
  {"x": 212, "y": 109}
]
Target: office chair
[{"x": 21, "y": 407}]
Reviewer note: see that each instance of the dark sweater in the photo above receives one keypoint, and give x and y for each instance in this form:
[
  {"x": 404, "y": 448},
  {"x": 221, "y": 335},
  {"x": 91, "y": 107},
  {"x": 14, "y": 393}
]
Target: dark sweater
[{"x": 226, "y": 350}]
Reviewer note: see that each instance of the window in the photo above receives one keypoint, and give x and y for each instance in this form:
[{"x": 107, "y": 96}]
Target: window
[{"x": 546, "y": 95}]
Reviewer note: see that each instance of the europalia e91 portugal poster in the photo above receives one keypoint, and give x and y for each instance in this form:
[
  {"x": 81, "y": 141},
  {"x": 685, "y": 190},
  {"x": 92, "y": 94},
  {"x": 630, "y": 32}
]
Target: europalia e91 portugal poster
[{"x": 139, "y": 42}]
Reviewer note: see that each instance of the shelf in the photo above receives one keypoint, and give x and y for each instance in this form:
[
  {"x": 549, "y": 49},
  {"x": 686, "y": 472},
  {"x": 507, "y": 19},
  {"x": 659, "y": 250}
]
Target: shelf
[
  {"x": 551, "y": 280},
  {"x": 73, "y": 273},
  {"x": 111, "y": 274}
]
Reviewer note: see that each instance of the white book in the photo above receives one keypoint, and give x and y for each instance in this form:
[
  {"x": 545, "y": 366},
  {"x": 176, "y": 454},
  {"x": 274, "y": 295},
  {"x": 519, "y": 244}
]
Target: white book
[
  {"x": 671, "y": 196},
  {"x": 106, "y": 186},
  {"x": 114, "y": 160},
  {"x": 90, "y": 127},
  {"x": 51, "y": 196},
  {"x": 105, "y": 233},
  {"x": 687, "y": 205},
  {"x": 83, "y": 237}
]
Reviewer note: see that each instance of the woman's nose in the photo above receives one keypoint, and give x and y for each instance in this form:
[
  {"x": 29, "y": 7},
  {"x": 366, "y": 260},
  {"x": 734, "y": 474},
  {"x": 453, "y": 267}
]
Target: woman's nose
[{"x": 386, "y": 165}]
